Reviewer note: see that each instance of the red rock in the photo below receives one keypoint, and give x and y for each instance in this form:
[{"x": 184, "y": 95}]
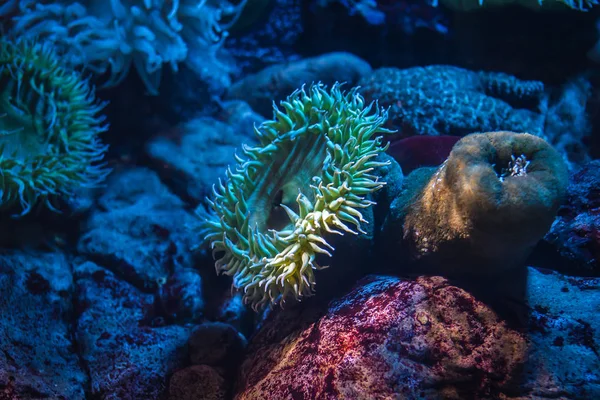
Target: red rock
[
  {"x": 421, "y": 151},
  {"x": 388, "y": 338}
]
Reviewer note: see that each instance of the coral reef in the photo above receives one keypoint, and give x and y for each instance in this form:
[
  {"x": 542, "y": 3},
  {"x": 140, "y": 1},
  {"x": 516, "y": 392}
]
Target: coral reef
[
  {"x": 110, "y": 37},
  {"x": 49, "y": 128},
  {"x": 447, "y": 100},
  {"x": 338, "y": 277},
  {"x": 309, "y": 176},
  {"x": 487, "y": 205}
]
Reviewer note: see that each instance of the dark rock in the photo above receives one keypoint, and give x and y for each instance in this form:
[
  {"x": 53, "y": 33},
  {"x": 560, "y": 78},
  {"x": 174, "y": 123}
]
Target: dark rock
[
  {"x": 198, "y": 382},
  {"x": 573, "y": 243},
  {"x": 38, "y": 357},
  {"x": 180, "y": 298},
  {"x": 276, "y": 82},
  {"x": 267, "y": 36},
  {"x": 126, "y": 357},
  {"x": 216, "y": 344}
]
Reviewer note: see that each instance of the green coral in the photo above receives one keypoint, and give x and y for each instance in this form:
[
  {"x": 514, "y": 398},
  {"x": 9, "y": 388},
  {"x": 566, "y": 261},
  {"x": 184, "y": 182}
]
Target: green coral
[
  {"x": 49, "y": 127},
  {"x": 310, "y": 176}
]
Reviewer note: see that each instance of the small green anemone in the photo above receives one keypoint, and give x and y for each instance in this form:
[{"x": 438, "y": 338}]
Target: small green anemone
[
  {"x": 310, "y": 176},
  {"x": 49, "y": 127}
]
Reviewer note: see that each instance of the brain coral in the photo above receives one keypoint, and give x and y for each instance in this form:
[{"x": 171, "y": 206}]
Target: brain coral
[
  {"x": 49, "y": 127},
  {"x": 309, "y": 176},
  {"x": 110, "y": 36}
]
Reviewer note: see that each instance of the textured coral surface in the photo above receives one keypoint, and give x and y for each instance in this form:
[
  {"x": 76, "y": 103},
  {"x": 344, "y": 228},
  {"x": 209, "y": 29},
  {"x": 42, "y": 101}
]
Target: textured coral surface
[{"x": 447, "y": 100}]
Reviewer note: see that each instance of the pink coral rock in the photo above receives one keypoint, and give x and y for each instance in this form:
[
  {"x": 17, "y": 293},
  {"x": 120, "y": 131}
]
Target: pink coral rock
[{"x": 387, "y": 339}]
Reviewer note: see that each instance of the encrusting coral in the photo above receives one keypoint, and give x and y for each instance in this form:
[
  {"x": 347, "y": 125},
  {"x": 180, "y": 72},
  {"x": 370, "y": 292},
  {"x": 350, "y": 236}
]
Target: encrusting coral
[
  {"x": 488, "y": 204},
  {"x": 49, "y": 128},
  {"x": 448, "y": 100},
  {"x": 310, "y": 176}
]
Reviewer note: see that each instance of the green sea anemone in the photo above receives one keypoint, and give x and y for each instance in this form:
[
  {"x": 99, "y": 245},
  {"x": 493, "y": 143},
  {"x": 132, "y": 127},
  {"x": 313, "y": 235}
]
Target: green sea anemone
[
  {"x": 49, "y": 127},
  {"x": 310, "y": 176}
]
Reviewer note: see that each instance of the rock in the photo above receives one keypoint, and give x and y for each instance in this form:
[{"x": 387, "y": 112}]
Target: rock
[
  {"x": 216, "y": 344},
  {"x": 231, "y": 310},
  {"x": 564, "y": 331},
  {"x": 139, "y": 229},
  {"x": 265, "y": 34},
  {"x": 572, "y": 245},
  {"x": 388, "y": 338},
  {"x": 127, "y": 358},
  {"x": 195, "y": 154},
  {"x": 276, "y": 82},
  {"x": 197, "y": 382},
  {"x": 568, "y": 126},
  {"x": 180, "y": 298},
  {"x": 38, "y": 358}
]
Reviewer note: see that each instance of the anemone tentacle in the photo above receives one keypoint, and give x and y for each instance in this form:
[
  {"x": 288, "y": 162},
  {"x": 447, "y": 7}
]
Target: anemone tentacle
[
  {"x": 309, "y": 176},
  {"x": 49, "y": 128}
]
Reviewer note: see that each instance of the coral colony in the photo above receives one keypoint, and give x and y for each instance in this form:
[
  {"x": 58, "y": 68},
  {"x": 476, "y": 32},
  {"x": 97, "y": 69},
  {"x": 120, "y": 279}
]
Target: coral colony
[{"x": 299, "y": 199}]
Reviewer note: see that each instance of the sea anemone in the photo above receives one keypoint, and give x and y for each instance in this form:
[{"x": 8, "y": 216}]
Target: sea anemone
[
  {"x": 108, "y": 37},
  {"x": 310, "y": 176},
  {"x": 49, "y": 127}
]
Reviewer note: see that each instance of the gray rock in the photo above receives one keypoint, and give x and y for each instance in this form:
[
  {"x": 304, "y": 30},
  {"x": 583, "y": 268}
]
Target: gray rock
[
  {"x": 126, "y": 356},
  {"x": 196, "y": 154},
  {"x": 139, "y": 230},
  {"x": 564, "y": 331},
  {"x": 276, "y": 82},
  {"x": 37, "y": 357}
]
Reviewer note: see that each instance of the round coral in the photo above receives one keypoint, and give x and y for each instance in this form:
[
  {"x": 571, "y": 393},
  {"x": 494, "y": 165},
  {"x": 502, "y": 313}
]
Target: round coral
[
  {"x": 310, "y": 176},
  {"x": 49, "y": 127},
  {"x": 488, "y": 204}
]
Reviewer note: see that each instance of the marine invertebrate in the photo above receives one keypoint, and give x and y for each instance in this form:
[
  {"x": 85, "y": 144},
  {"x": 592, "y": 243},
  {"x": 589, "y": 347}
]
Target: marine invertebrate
[
  {"x": 447, "y": 100},
  {"x": 49, "y": 128},
  {"x": 488, "y": 204},
  {"x": 309, "y": 176},
  {"x": 109, "y": 37}
]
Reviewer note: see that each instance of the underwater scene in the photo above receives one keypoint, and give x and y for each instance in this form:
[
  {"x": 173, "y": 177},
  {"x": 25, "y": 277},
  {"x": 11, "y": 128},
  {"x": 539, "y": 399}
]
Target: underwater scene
[{"x": 299, "y": 199}]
